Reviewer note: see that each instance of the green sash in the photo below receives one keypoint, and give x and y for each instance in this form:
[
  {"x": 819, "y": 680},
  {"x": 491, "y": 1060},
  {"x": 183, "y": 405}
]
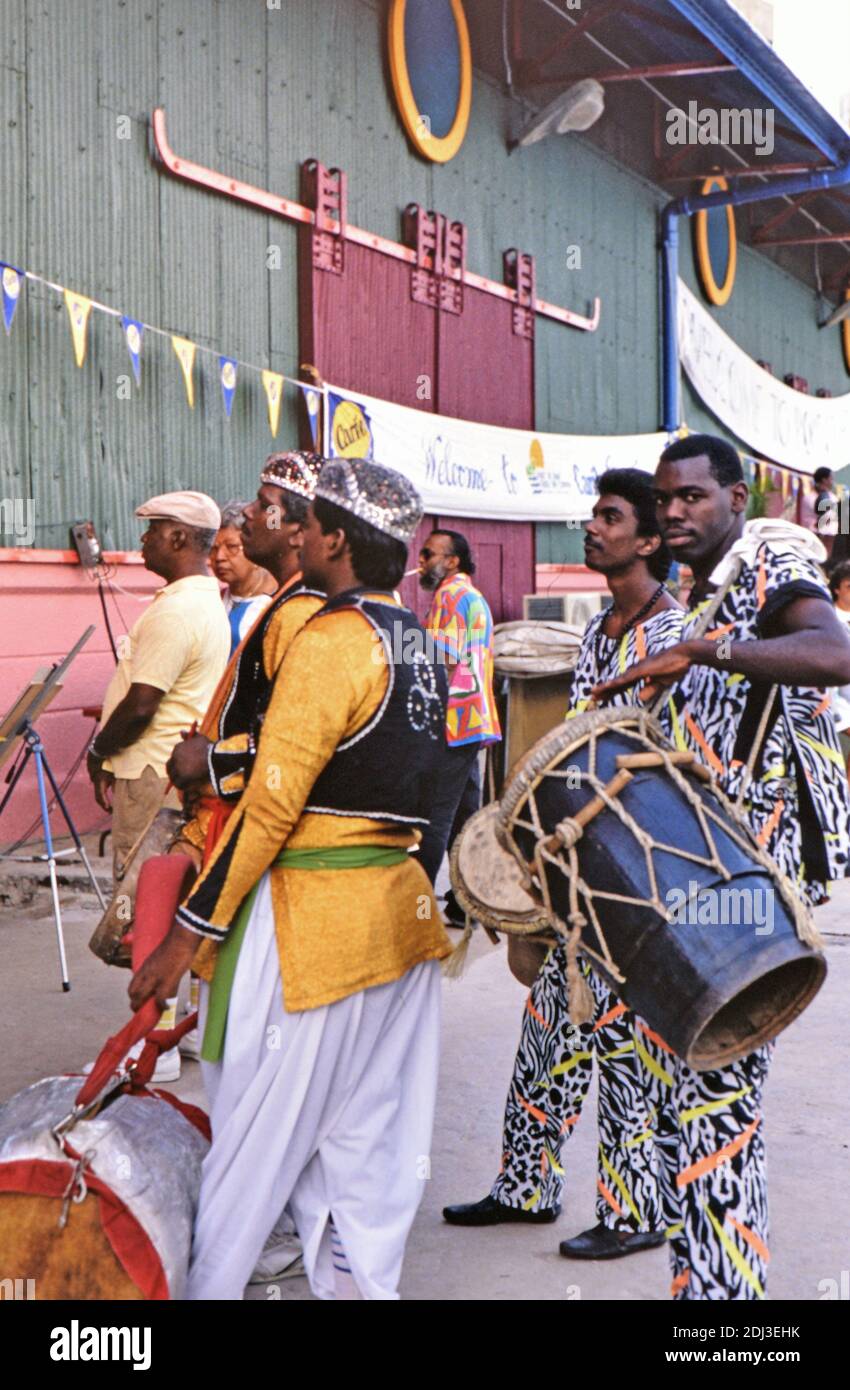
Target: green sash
[{"x": 341, "y": 857}]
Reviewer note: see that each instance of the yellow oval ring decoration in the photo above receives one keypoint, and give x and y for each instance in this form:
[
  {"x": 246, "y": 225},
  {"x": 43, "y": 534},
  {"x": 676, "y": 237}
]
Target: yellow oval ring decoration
[
  {"x": 418, "y": 124},
  {"x": 715, "y": 293},
  {"x": 845, "y": 334}
]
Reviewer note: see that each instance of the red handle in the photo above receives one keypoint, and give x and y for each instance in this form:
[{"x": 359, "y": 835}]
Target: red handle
[
  {"x": 160, "y": 1041},
  {"x": 162, "y": 882},
  {"x": 141, "y": 1025},
  {"x": 117, "y": 1047}
]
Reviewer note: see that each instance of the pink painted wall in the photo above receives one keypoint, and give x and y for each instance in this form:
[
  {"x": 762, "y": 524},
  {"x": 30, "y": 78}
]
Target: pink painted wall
[
  {"x": 566, "y": 579},
  {"x": 46, "y": 603}
]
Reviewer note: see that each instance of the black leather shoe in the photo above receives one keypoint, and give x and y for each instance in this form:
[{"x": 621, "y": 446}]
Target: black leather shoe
[
  {"x": 453, "y": 913},
  {"x": 489, "y": 1212},
  {"x": 601, "y": 1243}
]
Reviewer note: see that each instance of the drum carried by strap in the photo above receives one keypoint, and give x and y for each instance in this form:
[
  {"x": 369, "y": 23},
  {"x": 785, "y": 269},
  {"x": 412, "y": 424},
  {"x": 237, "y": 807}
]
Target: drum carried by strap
[
  {"x": 99, "y": 1179},
  {"x": 636, "y": 858}
]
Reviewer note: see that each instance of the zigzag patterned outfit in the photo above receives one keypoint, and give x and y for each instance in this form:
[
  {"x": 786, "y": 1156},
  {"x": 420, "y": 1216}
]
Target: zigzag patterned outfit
[
  {"x": 554, "y": 1061},
  {"x": 708, "y": 1127}
]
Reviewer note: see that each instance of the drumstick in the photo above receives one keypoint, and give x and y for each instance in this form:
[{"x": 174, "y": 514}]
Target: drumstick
[
  {"x": 634, "y": 760},
  {"x": 592, "y": 809},
  {"x": 679, "y": 759}
]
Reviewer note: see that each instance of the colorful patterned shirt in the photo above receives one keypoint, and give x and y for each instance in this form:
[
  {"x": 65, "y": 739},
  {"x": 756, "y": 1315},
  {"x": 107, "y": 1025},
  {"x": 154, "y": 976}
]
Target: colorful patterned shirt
[
  {"x": 602, "y": 658},
  {"x": 462, "y": 626},
  {"x": 797, "y": 802}
]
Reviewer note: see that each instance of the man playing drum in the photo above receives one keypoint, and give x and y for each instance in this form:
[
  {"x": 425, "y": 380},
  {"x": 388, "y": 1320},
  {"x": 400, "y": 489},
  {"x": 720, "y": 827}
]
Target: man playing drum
[
  {"x": 554, "y": 1062},
  {"x": 751, "y": 700}
]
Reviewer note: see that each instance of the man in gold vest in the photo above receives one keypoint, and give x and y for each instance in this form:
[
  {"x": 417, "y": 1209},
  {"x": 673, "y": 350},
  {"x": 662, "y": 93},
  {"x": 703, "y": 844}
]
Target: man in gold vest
[{"x": 319, "y": 932}]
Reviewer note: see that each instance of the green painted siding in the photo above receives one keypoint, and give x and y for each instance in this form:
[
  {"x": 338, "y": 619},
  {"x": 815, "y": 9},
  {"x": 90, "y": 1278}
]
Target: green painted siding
[{"x": 253, "y": 91}]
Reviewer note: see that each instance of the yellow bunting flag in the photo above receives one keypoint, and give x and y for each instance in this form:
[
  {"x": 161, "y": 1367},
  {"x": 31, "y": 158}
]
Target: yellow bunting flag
[
  {"x": 186, "y": 357},
  {"x": 273, "y": 386},
  {"x": 78, "y": 312}
]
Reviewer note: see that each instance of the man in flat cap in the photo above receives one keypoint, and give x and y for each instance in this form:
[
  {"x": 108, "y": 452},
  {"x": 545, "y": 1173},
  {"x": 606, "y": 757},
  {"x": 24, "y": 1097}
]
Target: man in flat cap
[
  {"x": 168, "y": 669},
  {"x": 319, "y": 932}
]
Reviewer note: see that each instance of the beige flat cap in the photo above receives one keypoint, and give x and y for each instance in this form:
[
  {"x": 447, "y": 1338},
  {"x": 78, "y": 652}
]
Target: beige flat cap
[{"x": 193, "y": 508}]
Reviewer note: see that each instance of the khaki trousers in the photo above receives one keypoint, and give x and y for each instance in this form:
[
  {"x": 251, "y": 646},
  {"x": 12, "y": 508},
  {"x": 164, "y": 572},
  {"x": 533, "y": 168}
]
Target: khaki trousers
[{"x": 135, "y": 801}]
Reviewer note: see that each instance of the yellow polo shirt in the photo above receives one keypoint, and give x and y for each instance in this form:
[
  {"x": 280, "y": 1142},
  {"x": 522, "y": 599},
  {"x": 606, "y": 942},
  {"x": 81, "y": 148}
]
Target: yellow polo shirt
[{"x": 180, "y": 645}]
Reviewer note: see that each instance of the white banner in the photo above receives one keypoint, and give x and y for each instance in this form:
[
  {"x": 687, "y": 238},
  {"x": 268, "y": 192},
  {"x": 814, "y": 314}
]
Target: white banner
[
  {"x": 465, "y": 469},
  {"x": 777, "y": 422}
]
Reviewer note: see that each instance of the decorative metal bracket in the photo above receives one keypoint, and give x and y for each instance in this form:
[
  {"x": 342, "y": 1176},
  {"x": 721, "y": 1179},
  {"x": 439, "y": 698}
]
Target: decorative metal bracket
[
  {"x": 215, "y": 182},
  {"x": 440, "y": 246},
  {"x": 325, "y": 192},
  {"x": 520, "y": 276}
]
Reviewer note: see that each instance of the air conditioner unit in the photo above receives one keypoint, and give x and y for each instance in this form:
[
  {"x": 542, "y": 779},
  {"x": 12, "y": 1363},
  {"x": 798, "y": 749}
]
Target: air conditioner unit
[{"x": 577, "y": 608}]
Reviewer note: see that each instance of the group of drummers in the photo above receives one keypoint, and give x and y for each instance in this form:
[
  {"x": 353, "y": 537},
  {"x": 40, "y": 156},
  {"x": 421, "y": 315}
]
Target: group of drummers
[{"x": 318, "y": 938}]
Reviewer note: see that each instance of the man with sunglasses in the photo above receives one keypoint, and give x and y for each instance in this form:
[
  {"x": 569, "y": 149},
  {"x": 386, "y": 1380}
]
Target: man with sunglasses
[{"x": 461, "y": 626}]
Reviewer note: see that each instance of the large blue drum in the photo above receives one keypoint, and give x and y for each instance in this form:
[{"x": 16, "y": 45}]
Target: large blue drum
[{"x": 680, "y": 909}]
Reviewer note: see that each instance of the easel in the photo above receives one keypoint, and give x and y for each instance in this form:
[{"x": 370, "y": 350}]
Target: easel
[{"x": 19, "y": 724}]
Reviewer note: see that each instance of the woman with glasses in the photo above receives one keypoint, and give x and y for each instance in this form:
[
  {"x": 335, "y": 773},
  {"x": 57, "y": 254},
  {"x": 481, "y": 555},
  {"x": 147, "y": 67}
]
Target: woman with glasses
[{"x": 248, "y": 587}]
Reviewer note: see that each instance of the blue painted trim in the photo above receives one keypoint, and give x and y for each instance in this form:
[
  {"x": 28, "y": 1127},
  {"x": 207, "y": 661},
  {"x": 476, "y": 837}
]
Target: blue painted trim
[
  {"x": 669, "y": 254},
  {"x": 757, "y": 60}
]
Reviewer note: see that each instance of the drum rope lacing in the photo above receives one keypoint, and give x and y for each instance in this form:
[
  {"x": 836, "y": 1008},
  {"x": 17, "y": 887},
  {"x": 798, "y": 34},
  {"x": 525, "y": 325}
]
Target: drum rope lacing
[{"x": 549, "y": 849}]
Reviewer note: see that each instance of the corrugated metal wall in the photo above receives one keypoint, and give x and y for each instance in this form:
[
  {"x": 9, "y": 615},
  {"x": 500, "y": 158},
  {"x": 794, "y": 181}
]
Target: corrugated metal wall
[{"x": 253, "y": 91}]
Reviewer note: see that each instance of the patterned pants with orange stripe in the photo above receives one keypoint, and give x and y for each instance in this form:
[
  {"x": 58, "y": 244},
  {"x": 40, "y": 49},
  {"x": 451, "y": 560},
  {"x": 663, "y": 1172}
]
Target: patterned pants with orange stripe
[
  {"x": 708, "y": 1136},
  {"x": 552, "y": 1073}
]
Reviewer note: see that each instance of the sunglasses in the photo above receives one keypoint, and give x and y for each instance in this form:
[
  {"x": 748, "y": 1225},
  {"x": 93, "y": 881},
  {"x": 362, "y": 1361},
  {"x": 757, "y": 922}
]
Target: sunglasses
[{"x": 429, "y": 555}]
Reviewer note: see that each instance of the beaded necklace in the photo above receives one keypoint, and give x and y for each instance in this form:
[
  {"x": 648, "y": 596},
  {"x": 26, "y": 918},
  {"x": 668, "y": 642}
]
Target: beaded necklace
[{"x": 632, "y": 622}]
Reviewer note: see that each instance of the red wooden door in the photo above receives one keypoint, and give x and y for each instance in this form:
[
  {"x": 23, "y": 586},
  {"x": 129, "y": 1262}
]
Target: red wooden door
[{"x": 414, "y": 335}]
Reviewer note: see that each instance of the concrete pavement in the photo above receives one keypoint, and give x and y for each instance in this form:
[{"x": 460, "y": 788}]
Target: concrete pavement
[{"x": 807, "y": 1118}]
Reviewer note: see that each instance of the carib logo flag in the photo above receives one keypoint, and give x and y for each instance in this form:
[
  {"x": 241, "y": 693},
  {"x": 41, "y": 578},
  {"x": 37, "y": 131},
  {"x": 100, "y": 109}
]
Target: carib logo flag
[{"x": 351, "y": 430}]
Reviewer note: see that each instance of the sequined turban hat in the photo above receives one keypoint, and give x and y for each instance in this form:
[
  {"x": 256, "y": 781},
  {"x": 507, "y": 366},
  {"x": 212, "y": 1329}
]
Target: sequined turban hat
[{"x": 378, "y": 495}]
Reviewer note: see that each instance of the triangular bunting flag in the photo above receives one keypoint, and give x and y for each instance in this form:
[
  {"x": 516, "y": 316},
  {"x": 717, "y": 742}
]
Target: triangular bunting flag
[
  {"x": 186, "y": 357},
  {"x": 79, "y": 308},
  {"x": 13, "y": 281},
  {"x": 311, "y": 400},
  {"x": 273, "y": 386},
  {"x": 227, "y": 374},
  {"x": 133, "y": 331}
]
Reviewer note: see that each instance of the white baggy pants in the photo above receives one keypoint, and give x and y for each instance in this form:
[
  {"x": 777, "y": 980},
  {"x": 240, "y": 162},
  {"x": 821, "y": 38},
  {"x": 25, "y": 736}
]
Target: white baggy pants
[{"x": 329, "y": 1110}]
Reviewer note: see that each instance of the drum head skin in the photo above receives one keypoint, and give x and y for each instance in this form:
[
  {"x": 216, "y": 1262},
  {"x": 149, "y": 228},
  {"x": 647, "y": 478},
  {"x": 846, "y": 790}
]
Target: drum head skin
[{"x": 487, "y": 879}]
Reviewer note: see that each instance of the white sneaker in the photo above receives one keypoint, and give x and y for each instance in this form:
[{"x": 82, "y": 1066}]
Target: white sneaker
[
  {"x": 281, "y": 1258},
  {"x": 167, "y": 1067},
  {"x": 190, "y": 1044}
]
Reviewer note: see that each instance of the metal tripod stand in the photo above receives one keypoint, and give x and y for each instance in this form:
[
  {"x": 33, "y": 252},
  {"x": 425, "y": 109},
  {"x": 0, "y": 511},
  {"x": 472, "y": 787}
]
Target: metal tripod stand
[{"x": 34, "y": 748}]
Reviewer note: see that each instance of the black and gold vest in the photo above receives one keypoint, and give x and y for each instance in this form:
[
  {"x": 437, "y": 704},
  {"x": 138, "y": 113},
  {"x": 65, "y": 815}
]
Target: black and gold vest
[{"x": 386, "y": 769}]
